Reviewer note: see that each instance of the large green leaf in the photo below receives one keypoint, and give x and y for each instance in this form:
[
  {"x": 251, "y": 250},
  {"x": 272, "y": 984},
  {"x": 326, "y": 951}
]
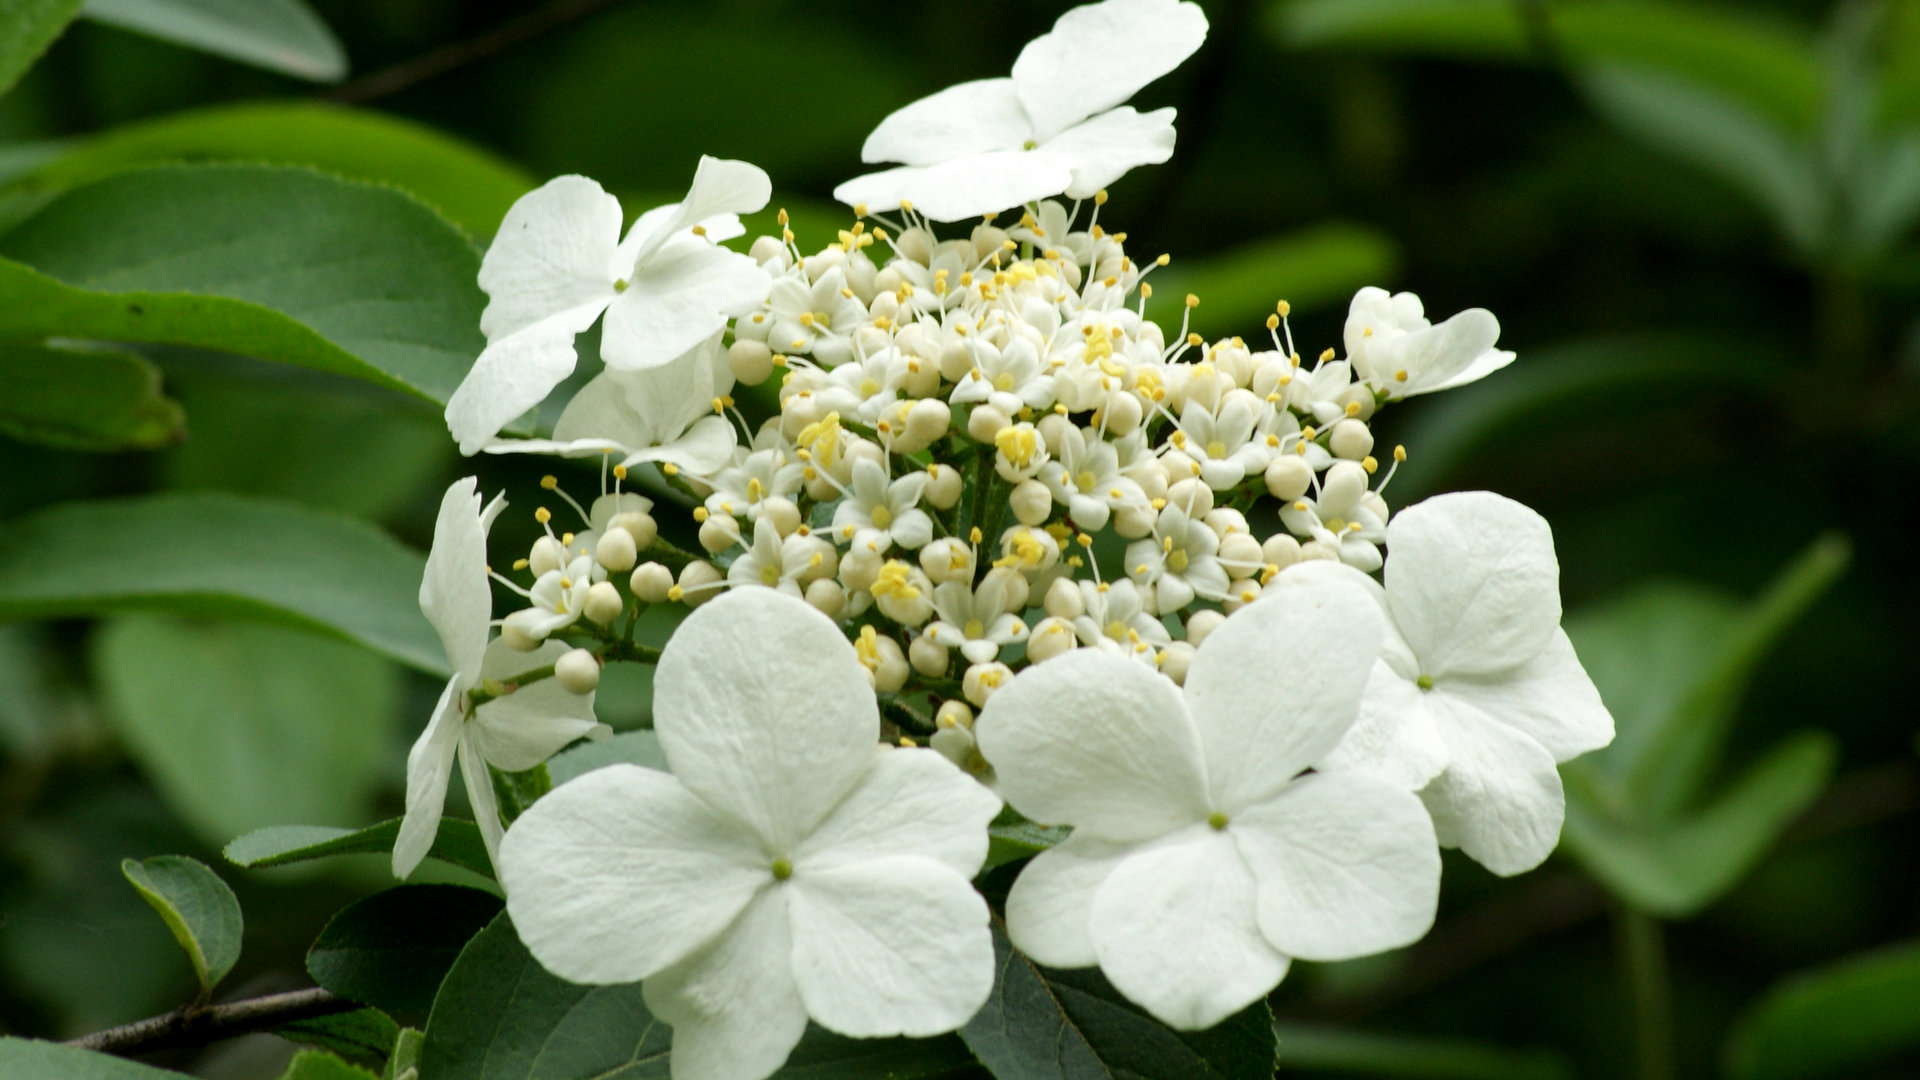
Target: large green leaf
[
  {"x": 31, "y": 1059},
  {"x": 197, "y": 906},
  {"x": 470, "y": 186},
  {"x": 279, "y": 35},
  {"x": 458, "y": 842},
  {"x": 1041, "y": 1024},
  {"x": 207, "y": 554},
  {"x": 316, "y": 1065},
  {"x": 1364, "y": 1053},
  {"x": 84, "y": 399},
  {"x": 1833, "y": 1020},
  {"x": 282, "y": 264},
  {"x": 27, "y": 27},
  {"x": 1238, "y": 289},
  {"x": 363, "y": 1033},
  {"x": 392, "y": 949},
  {"x": 245, "y": 725}
]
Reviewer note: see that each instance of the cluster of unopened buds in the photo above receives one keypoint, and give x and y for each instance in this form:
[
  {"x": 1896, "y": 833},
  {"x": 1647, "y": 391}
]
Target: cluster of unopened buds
[{"x": 951, "y": 487}]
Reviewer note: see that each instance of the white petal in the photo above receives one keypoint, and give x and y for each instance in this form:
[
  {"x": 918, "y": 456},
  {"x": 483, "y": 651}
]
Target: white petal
[
  {"x": 1500, "y": 799},
  {"x": 454, "y": 592},
  {"x": 1106, "y": 146},
  {"x": 1099, "y": 55},
  {"x": 1482, "y": 366},
  {"x": 910, "y": 802},
  {"x": 705, "y": 449},
  {"x": 525, "y": 728},
  {"x": 486, "y": 805},
  {"x": 721, "y": 188},
  {"x": 1278, "y": 684},
  {"x": 964, "y": 187},
  {"x": 1472, "y": 582},
  {"x": 1441, "y": 355},
  {"x": 1347, "y": 866},
  {"x": 735, "y": 1010},
  {"x": 1098, "y": 742},
  {"x": 960, "y": 121},
  {"x": 763, "y": 710},
  {"x": 554, "y": 253},
  {"x": 511, "y": 376},
  {"x": 1395, "y": 738},
  {"x": 429, "y": 766},
  {"x": 1052, "y": 900},
  {"x": 1551, "y": 698},
  {"x": 677, "y": 299},
  {"x": 1174, "y": 927},
  {"x": 895, "y": 946},
  {"x": 621, "y": 872}
]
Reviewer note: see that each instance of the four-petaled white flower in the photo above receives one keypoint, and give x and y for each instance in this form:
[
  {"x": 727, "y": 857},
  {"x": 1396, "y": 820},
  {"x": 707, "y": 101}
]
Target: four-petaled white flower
[
  {"x": 1180, "y": 561},
  {"x": 1474, "y": 654},
  {"x": 773, "y": 561},
  {"x": 977, "y": 619},
  {"x": 558, "y": 262},
  {"x": 1085, "y": 477},
  {"x": 515, "y": 731},
  {"x": 878, "y": 513},
  {"x": 1393, "y": 346},
  {"x": 990, "y": 144},
  {"x": 789, "y": 868},
  {"x": 1202, "y": 859}
]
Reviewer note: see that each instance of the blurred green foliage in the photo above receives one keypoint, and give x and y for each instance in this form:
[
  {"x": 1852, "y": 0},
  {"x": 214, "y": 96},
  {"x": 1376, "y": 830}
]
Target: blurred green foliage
[{"x": 1696, "y": 223}]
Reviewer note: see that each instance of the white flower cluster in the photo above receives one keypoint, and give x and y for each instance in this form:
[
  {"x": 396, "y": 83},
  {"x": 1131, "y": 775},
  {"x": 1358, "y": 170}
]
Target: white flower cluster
[{"x": 992, "y": 516}]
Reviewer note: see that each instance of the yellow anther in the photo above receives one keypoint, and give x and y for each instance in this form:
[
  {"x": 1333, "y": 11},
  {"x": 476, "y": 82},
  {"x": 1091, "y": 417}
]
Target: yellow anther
[
  {"x": 1273, "y": 322},
  {"x": 1194, "y": 339},
  {"x": 1192, "y": 300},
  {"x": 1371, "y": 464},
  {"x": 781, "y": 216},
  {"x": 974, "y": 535},
  {"x": 1399, "y": 453},
  {"x": 700, "y": 514},
  {"x": 542, "y": 515},
  {"x": 1100, "y": 197},
  {"x": 1326, "y": 356},
  {"x": 549, "y": 482},
  {"x": 619, "y": 472},
  {"x": 675, "y": 593},
  {"x": 699, "y": 230},
  {"x": 1400, "y": 376},
  {"x": 566, "y": 538},
  {"x": 779, "y": 360},
  {"x": 906, "y": 205},
  {"x": 519, "y": 564},
  {"x": 670, "y": 468},
  {"x": 859, "y": 210}
]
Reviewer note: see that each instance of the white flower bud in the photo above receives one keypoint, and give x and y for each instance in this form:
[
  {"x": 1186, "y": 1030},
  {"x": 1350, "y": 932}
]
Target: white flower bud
[
  {"x": 1134, "y": 522},
  {"x": 1192, "y": 495},
  {"x": 1052, "y": 637},
  {"x": 955, "y": 361},
  {"x": 922, "y": 379},
  {"x": 903, "y": 593},
  {"x": 1121, "y": 414},
  {"x": 782, "y": 512},
  {"x": 1240, "y": 593},
  {"x": 952, "y": 713},
  {"x": 616, "y": 550},
  {"x": 1241, "y": 554},
  {"x": 1201, "y": 623},
  {"x": 1372, "y": 501},
  {"x": 929, "y": 657},
  {"x": 824, "y": 559},
  {"x": 988, "y": 239},
  {"x": 956, "y": 745},
  {"x": 1357, "y": 394},
  {"x": 859, "y": 569},
  {"x": 981, "y": 680},
  {"x": 638, "y": 524},
  {"x": 827, "y": 597},
  {"x": 650, "y": 582},
  {"x": 1063, "y": 600},
  {"x": 927, "y": 420},
  {"x": 1314, "y": 549},
  {"x": 1225, "y": 521},
  {"x": 947, "y": 559},
  {"x": 698, "y": 583},
  {"x": 886, "y": 305},
  {"x": 1053, "y": 428},
  {"x": 1343, "y": 484},
  {"x": 1175, "y": 659},
  {"x": 1280, "y": 550},
  {"x": 578, "y": 672},
  {"x": 603, "y": 603},
  {"x": 547, "y": 555},
  {"x": 766, "y": 248},
  {"x": 1351, "y": 439},
  {"x": 719, "y": 532},
  {"x": 1031, "y": 502},
  {"x": 984, "y": 422},
  {"x": 1288, "y": 476},
  {"x": 514, "y": 632},
  {"x": 890, "y": 669},
  {"x": 750, "y": 360},
  {"x": 821, "y": 488},
  {"x": 943, "y": 486}
]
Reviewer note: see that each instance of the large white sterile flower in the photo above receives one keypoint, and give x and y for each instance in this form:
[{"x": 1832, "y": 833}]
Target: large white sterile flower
[
  {"x": 1202, "y": 860},
  {"x": 1475, "y": 649},
  {"x": 663, "y": 414},
  {"x": 1393, "y": 346},
  {"x": 516, "y": 731},
  {"x": 558, "y": 262},
  {"x": 990, "y": 144},
  {"x": 789, "y": 868}
]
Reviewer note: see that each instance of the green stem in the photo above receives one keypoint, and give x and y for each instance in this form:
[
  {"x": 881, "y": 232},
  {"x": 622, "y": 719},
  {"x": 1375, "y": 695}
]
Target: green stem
[
  {"x": 905, "y": 715},
  {"x": 1641, "y": 946},
  {"x": 631, "y": 650},
  {"x": 490, "y": 689}
]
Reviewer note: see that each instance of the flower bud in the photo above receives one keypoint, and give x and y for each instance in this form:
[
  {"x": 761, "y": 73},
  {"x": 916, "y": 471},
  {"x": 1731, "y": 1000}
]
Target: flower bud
[
  {"x": 859, "y": 569},
  {"x": 1314, "y": 549},
  {"x": 1031, "y": 502},
  {"x": 1240, "y": 593},
  {"x": 1351, "y": 439},
  {"x": 513, "y": 631},
  {"x": 1241, "y": 554},
  {"x": 952, "y": 714},
  {"x": 956, "y": 745},
  {"x": 1201, "y": 623},
  {"x": 616, "y": 550},
  {"x": 955, "y": 361},
  {"x": 719, "y": 532},
  {"x": 929, "y": 657},
  {"x": 988, "y": 239},
  {"x": 1063, "y": 600},
  {"x": 750, "y": 360},
  {"x": 824, "y": 559},
  {"x": 890, "y": 669},
  {"x": 1133, "y": 522},
  {"x": 765, "y": 248},
  {"x": 827, "y": 597},
  {"x": 1357, "y": 394},
  {"x": 1288, "y": 476},
  {"x": 1175, "y": 659},
  {"x": 1343, "y": 484},
  {"x": 1052, "y": 637},
  {"x": 699, "y": 583},
  {"x": 1280, "y": 550},
  {"x": 650, "y": 582},
  {"x": 1225, "y": 521},
  {"x": 638, "y": 524},
  {"x": 782, "y": 512},
  {"x": 547, "y": 555},
  {"x": 943, "y": 486},
  {"x": 981, "y": 680},
  {"x": 927, "y": 420},
  {"x": 603, "y": 603},
  {"x": 1192, "y": 495},
  {"x": 984, "y": 422},
  {"x": 1053, "y": 428},
  {"x": 947, "y": 559},
  {"x": 578, "y": 672},
  {"x": 922, "y": 379},
  {"x": 1121, "y": 414}
]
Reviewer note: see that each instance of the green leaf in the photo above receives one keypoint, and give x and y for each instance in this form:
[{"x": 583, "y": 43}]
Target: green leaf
[
  {"x": 31, "y": 1059},
  {"x": 279, "y": 35},
  {"x": 362, "y": 1033},
  {"x": 1238, "y": 289},
  {"x": 404, "y": 1062},
  {"x": 822, "y": 1055},
  {"x": 628, "y": 747},
  {"x": 243, "y": 725},
  {"x": 84, "y": 399},
  {"x": 27, "y": 27},
  {"x": 392, "y": 949},
  {"x": 281, "y": 264},
  {"x": 1361, "y": 1053},
  {"x": 1832, "y": 1020},
  {"x": 1041, "y": 1024},
  {"x": 1011, "y": 838},
  {"x": 1675, "y": 869},
  {"x": 315, "y": 1065},
  {"x": 458, "y": 842},
  {"x": 197, "y": 906},
  {"x": 208, "y": 554},
  {"x": 467, "y": 184}
]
